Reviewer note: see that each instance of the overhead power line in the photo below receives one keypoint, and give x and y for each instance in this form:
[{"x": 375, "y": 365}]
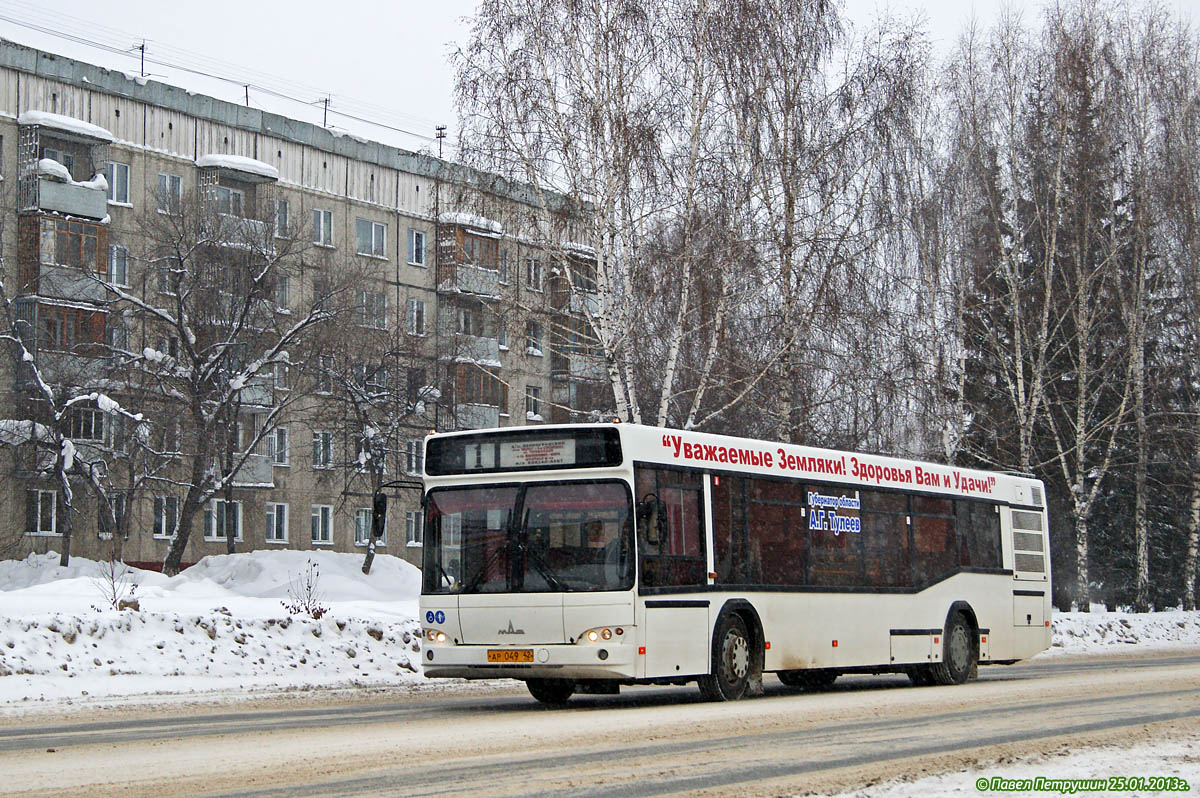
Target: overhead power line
[{"x": 122, "y": 43}]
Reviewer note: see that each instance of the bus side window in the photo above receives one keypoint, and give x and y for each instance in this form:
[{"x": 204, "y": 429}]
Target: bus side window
[
  {"x": 670, "y": 528},
  {"x": 979, "y": 531}
]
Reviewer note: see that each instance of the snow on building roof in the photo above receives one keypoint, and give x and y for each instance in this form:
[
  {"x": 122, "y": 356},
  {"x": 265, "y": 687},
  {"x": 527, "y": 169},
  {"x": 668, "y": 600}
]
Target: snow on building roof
[
  {"x": 471, "y": 220},
  {"x": 65, "y": 124},
  {"x": 239, "y": 163}
]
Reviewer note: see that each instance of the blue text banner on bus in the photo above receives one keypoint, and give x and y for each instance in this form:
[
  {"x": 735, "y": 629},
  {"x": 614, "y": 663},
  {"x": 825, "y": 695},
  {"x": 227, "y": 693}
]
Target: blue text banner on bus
[{"x": 838, "y": 466}]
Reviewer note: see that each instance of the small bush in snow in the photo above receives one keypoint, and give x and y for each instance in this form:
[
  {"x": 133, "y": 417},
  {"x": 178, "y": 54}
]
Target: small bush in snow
[
  {"x": 305, "y": 593},
  {"x": 117, "y": 585}
]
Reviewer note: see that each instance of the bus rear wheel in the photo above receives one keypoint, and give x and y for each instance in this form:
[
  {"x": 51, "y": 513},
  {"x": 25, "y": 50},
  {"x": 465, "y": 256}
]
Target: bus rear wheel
[
  {"x": 551, "y": 691},
  {"x": 959, "y": 657},
  {"x": 731, "y": 661},
  {"x": 814, "y": 679}
]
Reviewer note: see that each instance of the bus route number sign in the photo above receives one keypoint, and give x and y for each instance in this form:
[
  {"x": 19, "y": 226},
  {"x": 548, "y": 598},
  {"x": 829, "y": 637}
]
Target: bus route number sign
[{"x": 525, "y": 454}]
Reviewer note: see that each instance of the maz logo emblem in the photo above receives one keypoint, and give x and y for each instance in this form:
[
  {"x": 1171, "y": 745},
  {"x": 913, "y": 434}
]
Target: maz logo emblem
[{"x": 510, "y": 630}]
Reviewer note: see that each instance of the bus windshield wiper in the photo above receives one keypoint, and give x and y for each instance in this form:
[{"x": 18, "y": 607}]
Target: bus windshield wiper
[
  {"x": 542, "y": 568},
  {"x": 483, "y": 569}
]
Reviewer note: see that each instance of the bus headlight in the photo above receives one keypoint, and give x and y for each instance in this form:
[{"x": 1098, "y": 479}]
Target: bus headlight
[
  {"x": 599, "y": 633},
  {"x": 435, "y": 635}
]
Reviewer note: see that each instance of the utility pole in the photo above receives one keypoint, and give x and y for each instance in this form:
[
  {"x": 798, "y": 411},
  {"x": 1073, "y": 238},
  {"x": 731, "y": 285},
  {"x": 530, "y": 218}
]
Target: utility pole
[{"x": 441, "y": 134}]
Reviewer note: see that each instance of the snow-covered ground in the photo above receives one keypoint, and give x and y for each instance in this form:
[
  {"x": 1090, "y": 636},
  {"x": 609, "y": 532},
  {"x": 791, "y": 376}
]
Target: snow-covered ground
[
  {"x": 235, "y": 626},
  {"x": 221, "y": 627},
  {"x": 1090, "y": 771}
]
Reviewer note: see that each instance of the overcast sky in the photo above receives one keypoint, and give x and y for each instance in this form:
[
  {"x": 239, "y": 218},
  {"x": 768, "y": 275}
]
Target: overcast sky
[{"x": 384, "y": 61}]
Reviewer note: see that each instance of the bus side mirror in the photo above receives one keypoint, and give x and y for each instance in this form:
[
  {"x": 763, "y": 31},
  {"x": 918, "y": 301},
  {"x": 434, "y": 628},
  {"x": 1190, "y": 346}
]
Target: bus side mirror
[{"x": 379, "y": 514}]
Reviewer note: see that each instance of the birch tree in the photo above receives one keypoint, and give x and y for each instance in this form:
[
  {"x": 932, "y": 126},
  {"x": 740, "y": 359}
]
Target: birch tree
[{"x": 1177, "y": 88}]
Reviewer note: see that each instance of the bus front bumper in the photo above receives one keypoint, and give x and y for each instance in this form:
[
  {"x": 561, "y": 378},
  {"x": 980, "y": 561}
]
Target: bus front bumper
[{"x": 544, "y": 662}]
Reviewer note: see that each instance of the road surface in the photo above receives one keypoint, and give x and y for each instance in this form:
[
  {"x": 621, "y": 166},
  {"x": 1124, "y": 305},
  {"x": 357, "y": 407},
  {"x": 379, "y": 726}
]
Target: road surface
[{"x": 645, "y": 742}]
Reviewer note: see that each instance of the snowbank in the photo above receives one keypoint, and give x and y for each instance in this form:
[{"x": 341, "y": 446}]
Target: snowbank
[
  {"x": 220, "y": 625},
  {"x": 1111, "y": 632}
]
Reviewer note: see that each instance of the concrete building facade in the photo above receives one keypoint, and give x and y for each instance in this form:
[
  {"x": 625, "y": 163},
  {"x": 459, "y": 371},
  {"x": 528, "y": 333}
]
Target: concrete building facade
[{"x": 478, "y": 291}]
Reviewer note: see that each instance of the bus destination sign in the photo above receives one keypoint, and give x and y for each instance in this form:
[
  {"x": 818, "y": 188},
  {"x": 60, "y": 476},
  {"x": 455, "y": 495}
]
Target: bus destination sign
[{"x": 535, "y": 453}]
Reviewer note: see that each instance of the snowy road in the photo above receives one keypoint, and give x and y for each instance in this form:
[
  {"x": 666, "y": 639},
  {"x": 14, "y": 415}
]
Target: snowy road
[{"x": 644, "y": 742}]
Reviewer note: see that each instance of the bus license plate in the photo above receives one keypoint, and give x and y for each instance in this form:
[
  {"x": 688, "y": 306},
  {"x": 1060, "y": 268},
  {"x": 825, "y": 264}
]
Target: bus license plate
[{"x": 510, "y": 655}]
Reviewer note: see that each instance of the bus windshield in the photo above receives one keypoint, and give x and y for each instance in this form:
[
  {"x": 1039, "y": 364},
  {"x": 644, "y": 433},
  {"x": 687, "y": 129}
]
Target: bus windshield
[{"x": 533, "y": 538}]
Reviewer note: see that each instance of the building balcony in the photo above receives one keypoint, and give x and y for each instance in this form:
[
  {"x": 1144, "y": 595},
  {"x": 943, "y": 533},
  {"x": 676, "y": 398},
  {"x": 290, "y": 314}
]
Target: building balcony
[
  {"x": 72, "y": 199},
  {"x": 258, "y": 391},
  {"x": 472, "y": 349},
  {"x": 250, "y": 234},
  {"x": 256, "y": 472},
  {"x": 463, "y": 279},
  {"x": 585, "y": 301},
  {"x": 64, "y": 368},
  {"x": 577, "y": 366},
  {"x": 470, "y": 416},
  {"x": 65, "y": 282}
]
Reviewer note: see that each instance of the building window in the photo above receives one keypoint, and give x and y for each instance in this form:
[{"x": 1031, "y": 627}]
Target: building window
[
  {"x": 62, "y": 329},
  {"x": 502, "y": 265},
  {"x": 105, "y": 528},
  {"x": 283, "y": 292},
  {"x": 322, "y": 524},
  {"x": 416, "y": 317},
  {"x": 116, "y": 335},
  {"x": 166, "y": 516},
  {"x": 325, "y": 374},
  {"x": 70, "y": 243},
  {"x": 479, "y": 251},
  {"x": 502, "y": 334},
  {"x": 117, "y": 175},
  {"x": 414, "y": 456},
  {"x": 277, "y": 446},
  {"x": 533, "y": 338},
  {"x": 277, "y": 522},
  {"x": 467, "y": 323},
  {"x": 372, "y": 309},
  {"x": 64, "y": 158},
  {"x": 118, "y": 265},
  {"x": 323, "y": 228},
  {"x": 362, "y": 528},
  {"x": 170, "y": 193},
  {"x": 370, "y": 238},
  {"x": 533, "y": 274},
  {"x": 87, "y": 424},
  {"x": 478, "y": 386},
  {"x": 230, "y": 200},
  {"x": 281, "y": 218},
  {"x": 279, "y": 376},
  {"x": 221, "y": 517},
  {"x": 414, "y": 529},
  {"x": 322, "y": 450},
  {"x": 374, "y": 378},
  {"x": 416, "y": 248},
  {"x": 41, "y": 512},
  {"x": 533, "y": 403}
]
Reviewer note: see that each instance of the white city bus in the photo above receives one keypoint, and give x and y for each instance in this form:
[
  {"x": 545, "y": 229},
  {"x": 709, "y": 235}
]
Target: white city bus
[{"x": 581, "y": 558}]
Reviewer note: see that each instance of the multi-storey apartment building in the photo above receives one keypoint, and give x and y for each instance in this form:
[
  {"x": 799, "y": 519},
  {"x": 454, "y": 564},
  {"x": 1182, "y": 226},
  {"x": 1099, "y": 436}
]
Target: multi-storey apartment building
[{"x": 464, "y": 303}]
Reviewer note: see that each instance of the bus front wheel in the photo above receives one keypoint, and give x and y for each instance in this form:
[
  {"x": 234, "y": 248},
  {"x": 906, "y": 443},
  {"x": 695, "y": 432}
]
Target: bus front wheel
[
  {"x": 958, "y": 653},
  {"x": 731, "y": 661},
  {"x": 551, "y": 691}
]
